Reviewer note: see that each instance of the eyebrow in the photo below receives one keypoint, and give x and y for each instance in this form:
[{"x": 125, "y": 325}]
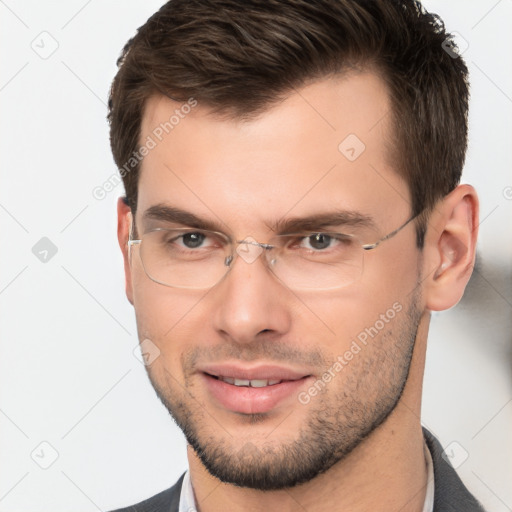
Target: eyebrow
[
  {"x": 336, "y": 218},
  {"x": 175, "y": 215}
]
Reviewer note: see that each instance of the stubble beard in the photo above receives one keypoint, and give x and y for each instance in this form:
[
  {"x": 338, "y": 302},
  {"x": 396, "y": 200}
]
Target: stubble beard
[{"x": 336, "y": 423}]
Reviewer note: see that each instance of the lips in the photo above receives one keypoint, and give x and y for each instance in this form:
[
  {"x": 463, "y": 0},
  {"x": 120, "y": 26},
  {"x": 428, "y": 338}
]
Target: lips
[
  {"x": 259, "y": 372},
  {"x": 251, "y": 390},
  {"x": 253, "y": 383}
]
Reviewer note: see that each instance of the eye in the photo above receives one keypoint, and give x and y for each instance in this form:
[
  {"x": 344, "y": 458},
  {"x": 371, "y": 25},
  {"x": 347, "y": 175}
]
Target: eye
[
  {"x": 183, "y": 241},
  {"x": 192, "y": 240},
  {"x": 186, "y": 245},
  {"x": 318, "y": 241}
]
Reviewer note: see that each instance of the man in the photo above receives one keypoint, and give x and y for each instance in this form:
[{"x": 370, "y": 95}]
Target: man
[{"x": 292, "y": 216}]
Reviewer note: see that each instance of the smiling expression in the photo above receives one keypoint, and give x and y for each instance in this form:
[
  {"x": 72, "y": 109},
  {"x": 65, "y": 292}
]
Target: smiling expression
[{"x": 235, "y": 357}]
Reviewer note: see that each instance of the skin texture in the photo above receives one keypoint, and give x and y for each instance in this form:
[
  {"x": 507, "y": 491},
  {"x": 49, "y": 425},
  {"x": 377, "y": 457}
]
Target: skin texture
[{"x": 357, "y": 444}]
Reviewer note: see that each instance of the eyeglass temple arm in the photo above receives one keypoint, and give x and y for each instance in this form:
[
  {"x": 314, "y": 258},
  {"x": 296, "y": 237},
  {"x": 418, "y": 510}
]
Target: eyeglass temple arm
[
  {"x": 369, "y": 247},
  {"x": 131, "y": 239}
]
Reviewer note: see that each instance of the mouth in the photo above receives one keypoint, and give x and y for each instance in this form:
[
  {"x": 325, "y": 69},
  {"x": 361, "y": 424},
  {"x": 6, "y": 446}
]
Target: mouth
[
  {"x": 252, "y": 390},
  {"x": 248, "y": 383}
]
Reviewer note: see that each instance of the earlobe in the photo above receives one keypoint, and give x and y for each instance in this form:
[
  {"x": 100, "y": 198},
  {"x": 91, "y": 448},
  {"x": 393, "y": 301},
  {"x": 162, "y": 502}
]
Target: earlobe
[
  {"x": 123, "y": 233},
  {"x": 450, "y": 248}
]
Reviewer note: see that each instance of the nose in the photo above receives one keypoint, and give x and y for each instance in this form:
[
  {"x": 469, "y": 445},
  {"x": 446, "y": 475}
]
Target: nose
[{"x": 250, "y": 302}]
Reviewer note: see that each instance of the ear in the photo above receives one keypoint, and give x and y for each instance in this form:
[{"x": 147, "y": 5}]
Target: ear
[
  {"x": 450, "y": 246},
  {"x": 124, "y": 214}
]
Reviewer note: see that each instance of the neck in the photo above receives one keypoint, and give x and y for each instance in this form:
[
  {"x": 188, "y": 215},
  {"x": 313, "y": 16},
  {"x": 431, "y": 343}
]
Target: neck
[{"x": 386, "y": 472}]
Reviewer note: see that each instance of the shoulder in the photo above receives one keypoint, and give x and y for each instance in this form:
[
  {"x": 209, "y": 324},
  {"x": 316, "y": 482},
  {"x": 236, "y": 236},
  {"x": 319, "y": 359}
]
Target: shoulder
[
  {"x": 165, "y": 501},
  {"x": 450, "y": 494}
]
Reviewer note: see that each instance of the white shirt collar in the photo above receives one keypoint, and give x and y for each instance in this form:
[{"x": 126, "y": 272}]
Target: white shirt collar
[
  {"x": 187, "y": 500},
  {"x": 429, "y": 496}
]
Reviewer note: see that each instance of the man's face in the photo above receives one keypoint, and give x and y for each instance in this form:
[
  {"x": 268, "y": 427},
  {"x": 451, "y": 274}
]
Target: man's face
[{"x": 245, "y": 176}]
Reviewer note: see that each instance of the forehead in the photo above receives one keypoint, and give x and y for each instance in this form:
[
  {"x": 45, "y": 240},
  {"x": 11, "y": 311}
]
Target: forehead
[{"x": 323, "y": 146}]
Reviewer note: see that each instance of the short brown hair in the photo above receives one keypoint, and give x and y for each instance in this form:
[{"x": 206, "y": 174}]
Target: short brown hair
[{"x": 239, "y": 57}]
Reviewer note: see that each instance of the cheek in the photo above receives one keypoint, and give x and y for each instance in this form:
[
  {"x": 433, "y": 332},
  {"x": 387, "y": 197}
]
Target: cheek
[
  {"x": 392, "y": 272},
  {"x": 339, "y": 319},
  {"x": 168, "y": 317},
  {"x": 384, "y": 291}
]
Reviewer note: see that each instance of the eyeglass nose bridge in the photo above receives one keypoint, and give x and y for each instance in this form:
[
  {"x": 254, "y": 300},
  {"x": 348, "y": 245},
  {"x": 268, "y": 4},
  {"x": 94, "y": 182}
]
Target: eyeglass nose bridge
[{"x": 253, "y": 250}]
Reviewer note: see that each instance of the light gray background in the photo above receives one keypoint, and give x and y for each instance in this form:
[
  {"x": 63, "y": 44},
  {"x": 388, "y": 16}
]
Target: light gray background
[{"x": 68, "y": 374}]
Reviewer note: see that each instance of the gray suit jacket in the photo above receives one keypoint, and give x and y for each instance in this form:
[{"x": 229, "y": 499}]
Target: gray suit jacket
[{"x": 450, "y": 494}]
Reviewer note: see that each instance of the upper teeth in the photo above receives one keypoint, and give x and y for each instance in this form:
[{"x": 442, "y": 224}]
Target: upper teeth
[{"x": 254, "y": 383}]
